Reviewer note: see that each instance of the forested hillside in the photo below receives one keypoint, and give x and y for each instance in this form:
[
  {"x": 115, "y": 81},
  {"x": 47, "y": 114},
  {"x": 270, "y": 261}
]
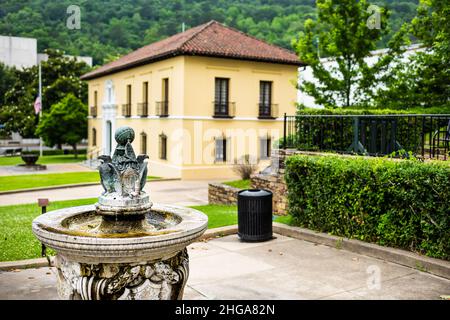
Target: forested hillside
[{"x": 113, "y": 27}]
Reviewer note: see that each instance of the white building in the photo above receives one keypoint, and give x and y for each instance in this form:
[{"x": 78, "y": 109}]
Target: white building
[
  {"x": 85, "y": 59},
  {"x": 18, "y": 52},
  {"x": 306, "y": 73},
  {"x": 22, "y": 52}
]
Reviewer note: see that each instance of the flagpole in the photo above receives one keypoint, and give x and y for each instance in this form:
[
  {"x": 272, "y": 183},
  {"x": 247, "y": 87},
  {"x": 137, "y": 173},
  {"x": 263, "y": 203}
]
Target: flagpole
[{"x": 40, "y": 111}]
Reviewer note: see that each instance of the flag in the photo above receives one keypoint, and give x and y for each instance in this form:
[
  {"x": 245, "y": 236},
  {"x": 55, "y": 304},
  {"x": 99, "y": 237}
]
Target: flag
[{"x": 37, "y": 105}]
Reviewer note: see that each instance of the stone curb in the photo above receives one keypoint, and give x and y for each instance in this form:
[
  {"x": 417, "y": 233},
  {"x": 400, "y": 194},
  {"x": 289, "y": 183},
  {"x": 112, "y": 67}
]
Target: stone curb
[
  {"x": 434, "y": 266},
  {"x": 74, "y": 185},
  {"x": 23, "y": 264},
  {"x": 437, "y": 267},
  {"x": 219, "y": 232},
  {"x": 42, "y": 262}
]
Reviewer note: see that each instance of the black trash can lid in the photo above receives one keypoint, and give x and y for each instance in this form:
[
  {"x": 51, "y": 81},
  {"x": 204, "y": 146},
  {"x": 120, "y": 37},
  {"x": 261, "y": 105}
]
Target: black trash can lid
[{"x": 254, "y": 193}]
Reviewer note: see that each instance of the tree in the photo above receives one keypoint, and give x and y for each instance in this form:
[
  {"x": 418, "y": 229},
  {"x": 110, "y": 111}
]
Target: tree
[
  {"x": 118, "y": 26},
  {"x": 7, "y": 77},
  {"x": 60, "y": 76},
  {"x": 17, "y": 113},
  {"x": 342, "y": 33},
  {"x": 65, "y": 123},
  {"x": 423, "y": 79}
]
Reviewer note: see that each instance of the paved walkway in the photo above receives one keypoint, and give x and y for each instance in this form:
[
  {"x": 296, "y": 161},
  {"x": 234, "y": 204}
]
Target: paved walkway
[
  {"x": 284, "y": 268},
  {"x": 51, "y": 168},
  {"x": 177, "y": 192}
]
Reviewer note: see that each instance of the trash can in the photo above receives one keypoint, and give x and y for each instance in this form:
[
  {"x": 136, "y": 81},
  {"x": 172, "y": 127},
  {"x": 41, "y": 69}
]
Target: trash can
[{"x": 255, "y": 215}]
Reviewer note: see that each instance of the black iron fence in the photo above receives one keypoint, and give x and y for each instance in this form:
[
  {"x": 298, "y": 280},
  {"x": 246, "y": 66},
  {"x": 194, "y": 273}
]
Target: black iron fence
[{"x": 425, "y": 136}]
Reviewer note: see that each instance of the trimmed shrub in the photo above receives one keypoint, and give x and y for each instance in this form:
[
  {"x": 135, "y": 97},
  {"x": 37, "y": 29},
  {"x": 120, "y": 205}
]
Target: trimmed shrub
[
  {"x": 403, "y": 204},
  {"x": 57, "y": 152},
  {"x": 343, "y": 111}
]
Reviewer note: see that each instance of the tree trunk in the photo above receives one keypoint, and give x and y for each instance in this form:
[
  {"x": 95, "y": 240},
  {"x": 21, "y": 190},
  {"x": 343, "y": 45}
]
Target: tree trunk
[
  {"x": 75, "y": 151},
  {"x": 59, "y": 146}
]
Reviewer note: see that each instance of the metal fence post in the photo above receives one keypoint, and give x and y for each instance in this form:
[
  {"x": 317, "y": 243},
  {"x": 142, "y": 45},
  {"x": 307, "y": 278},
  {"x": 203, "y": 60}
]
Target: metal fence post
[
  {"x": 284, "y": 131},
  {"x": 43, "y": 203}
]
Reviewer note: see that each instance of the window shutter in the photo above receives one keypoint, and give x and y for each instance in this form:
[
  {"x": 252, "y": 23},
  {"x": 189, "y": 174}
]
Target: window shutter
[
  {"x": 160, "y": 147},
  {"x": 94, "y": 137},
  {"x": 143, "y": 143},
  {"x": 261, "y": 148},
  {"x": 228, "y": 150},
  {"x": 222, "y": 150},
  {"x": 214, "y": 150},
  {"x": 163, "y": 147}
]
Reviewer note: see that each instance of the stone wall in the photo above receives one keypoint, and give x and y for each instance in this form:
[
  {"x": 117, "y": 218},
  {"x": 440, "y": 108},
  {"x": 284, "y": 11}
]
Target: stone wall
[
  {"x": 219, "y": 193},
  {"x": 274, "y": 181},
  {"x": 276, "y": 184}
]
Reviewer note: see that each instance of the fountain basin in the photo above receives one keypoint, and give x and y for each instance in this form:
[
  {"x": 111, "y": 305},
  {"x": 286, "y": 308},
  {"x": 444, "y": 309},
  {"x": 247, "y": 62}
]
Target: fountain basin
[
  {"x": 149, "y": 264},
  {"x": 177, "y": 228},
  {"x": 30, "y": 159}
]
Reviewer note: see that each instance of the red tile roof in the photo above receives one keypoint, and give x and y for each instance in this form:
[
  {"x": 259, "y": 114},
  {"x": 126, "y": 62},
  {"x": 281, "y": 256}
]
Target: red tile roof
[{"x": 211, "y": 39}]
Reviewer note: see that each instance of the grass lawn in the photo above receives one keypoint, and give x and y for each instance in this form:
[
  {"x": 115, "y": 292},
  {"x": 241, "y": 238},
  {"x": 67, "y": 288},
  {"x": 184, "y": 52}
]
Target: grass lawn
[
  {"x": 27, "y": 181},
  {"x": 69, "y": 158},
  {"x": 219, "y": 215},
  {"x": 240, "y": 184},
  {"x": 284, "y": 219},
  {"x": 17, "y": 242}
]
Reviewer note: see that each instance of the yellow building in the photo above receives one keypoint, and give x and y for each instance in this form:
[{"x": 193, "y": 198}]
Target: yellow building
[{"x": 199, "y": 101}]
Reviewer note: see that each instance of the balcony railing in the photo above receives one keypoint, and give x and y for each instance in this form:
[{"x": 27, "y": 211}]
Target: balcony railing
[
  {"x": 142, "y": 109},
  {"x": 126, "y": 110},
  {"x": 94, "y": 111},
  {"x": 224, "y": 109},
  {"x": 267, "y": 111},
  {"x": 162, "y": 108}
]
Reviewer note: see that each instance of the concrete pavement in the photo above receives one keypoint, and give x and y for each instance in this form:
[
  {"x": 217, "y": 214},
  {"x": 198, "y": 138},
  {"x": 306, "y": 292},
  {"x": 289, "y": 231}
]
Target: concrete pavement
[
  {"x": 51, "y": 168},
  {"x": 283, "y": 268},
  {"x": 176, "y": 192}
]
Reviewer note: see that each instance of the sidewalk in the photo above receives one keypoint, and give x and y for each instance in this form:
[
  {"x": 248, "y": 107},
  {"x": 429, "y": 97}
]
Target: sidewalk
[
  {"x": 51, "y": 168},
  {"x": 177, "y": 192},
  {"x": 284, "y": 268}
]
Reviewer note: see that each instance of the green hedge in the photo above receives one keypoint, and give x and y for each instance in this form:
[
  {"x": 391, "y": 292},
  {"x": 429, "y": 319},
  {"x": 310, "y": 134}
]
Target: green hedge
[
  {"x": 343, "y": 111},
  {"x": 57, "y": 152},
  {"x": 404, "y": 204}
]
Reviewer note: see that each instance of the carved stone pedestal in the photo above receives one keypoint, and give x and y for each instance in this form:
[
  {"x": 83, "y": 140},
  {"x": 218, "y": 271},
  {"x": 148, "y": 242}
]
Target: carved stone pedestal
[{"x": 154, "y": 280}]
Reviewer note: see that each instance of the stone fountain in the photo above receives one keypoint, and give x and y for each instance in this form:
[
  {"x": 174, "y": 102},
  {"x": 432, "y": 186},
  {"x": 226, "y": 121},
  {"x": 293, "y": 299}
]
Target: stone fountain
[{"x": 123, "y": 247}]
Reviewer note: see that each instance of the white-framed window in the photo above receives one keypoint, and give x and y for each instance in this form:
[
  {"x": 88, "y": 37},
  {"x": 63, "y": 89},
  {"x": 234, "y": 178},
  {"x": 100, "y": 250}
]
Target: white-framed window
[
  {"x": 163, "y": 146},
  {"x": 221, "y": 150},
  {"x": 265, "y": 147},
  {"x": 143, "y": 143},
  {"x": 94, "y": 137},
  {"x": 109, "y": 92}
]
